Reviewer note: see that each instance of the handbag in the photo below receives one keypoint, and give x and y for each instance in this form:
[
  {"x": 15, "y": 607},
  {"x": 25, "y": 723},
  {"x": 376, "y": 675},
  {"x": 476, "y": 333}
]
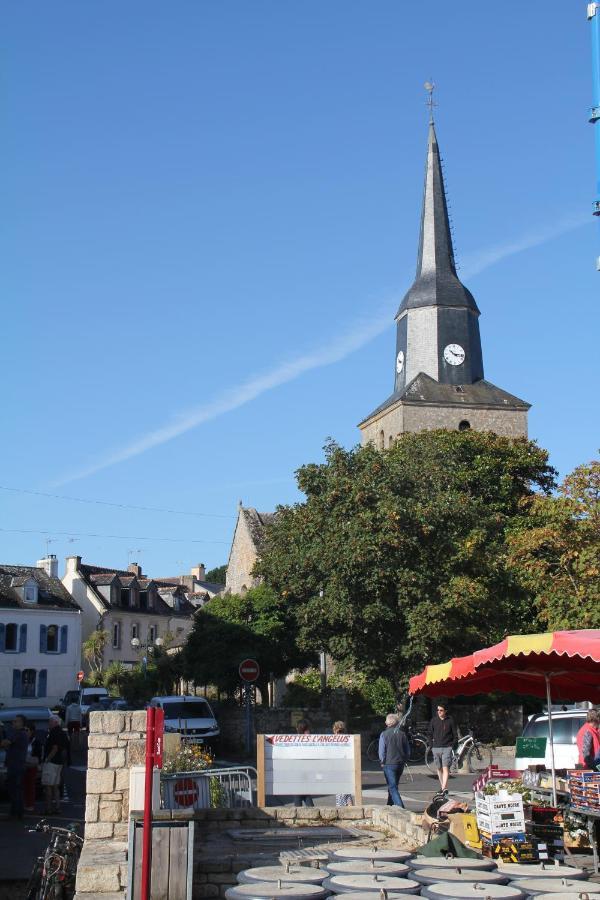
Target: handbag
[{"x": 50, "y": 774}]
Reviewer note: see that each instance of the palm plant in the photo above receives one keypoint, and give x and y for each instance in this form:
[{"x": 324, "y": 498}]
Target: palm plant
[{"x": 93, "y": 649}]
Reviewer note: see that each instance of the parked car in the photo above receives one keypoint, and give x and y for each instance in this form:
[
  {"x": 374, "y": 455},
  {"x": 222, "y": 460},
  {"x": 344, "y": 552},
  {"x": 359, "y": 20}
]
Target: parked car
[
  {"x": 190, "y": 716},
  {"x": 87, "y": 697},
  {"x": 565, "y": 725},
  {"x": 70, "y": 697}
]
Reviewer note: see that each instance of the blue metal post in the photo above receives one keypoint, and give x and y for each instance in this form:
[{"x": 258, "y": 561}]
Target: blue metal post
[{"x": 593, "y": 13}]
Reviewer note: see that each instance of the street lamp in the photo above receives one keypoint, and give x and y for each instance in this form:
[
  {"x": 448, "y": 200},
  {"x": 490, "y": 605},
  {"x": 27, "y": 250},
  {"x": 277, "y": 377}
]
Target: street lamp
[{"x": 147, "y": 647}]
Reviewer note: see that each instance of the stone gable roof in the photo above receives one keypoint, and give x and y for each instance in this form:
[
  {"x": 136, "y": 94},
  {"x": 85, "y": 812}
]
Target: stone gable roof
[
  {"x": 52, "y": 594},
  {"x": 257, "y": 523}
]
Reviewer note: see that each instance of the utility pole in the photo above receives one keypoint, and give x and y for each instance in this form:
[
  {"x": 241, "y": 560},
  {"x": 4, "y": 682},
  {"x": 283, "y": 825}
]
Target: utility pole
[{"x": 593, "y": 14}]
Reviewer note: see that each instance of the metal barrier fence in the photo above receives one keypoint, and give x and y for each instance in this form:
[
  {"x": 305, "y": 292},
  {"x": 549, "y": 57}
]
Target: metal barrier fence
[{"x": 225, "y": 788}]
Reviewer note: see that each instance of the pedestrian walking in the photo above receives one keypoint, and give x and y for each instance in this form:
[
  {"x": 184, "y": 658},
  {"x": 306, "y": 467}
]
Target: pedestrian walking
[
  {"x": 32, "y": 767},
  {"x": 73, "y": 722},
  {"x": 339, "y": 727},
  {"x": 394, "y": 750},
  {"x": 588, "y": 740},
  {"x": 303, "y": 727},
  {"x": 16, "y": 754},
  {"x": 443, "y": 737},
  {"x": 55, "y": 756}
]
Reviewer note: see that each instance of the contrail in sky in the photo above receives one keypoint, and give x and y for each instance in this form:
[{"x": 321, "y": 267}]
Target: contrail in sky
[{"x": 337, "y": 349}]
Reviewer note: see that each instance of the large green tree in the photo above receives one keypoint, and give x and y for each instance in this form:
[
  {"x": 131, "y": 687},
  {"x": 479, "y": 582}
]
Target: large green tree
[
  {"x": 234, "y": 627},
  {"x": 555, "y": 552},
  {"x": 397, "y": 558}
]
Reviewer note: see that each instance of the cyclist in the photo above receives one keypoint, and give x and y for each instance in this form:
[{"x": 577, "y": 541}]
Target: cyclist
[{"x": 443, "y": 736}]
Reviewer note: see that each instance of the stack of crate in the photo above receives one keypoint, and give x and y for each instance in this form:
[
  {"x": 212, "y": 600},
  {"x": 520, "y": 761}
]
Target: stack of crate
[
  {"x": 584, "y": 787},
  {"x": 546, "y": 825},
  {"x": 501, "y": 823}
]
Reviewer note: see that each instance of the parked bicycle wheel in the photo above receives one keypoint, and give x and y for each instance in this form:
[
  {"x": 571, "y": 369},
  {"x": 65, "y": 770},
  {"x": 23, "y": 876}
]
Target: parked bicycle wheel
[
  {"x": 418, "y": 748},
  {"x": 373, "y": 751},
  {"x": 479, "y": 757},
  {"x": 32, "y": 891}
]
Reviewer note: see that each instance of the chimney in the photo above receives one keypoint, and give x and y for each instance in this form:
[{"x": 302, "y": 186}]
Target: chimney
[
  {"x": 73, "y": 563},
  {"x": 198, "y": 572},
  {"x": 135, "y": 569},
  {"x": 49, "y": 564}
]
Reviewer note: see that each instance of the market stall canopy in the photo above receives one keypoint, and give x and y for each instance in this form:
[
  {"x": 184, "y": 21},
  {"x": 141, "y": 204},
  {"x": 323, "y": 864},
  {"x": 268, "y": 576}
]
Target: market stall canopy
[{"x": 523, "y": 663}]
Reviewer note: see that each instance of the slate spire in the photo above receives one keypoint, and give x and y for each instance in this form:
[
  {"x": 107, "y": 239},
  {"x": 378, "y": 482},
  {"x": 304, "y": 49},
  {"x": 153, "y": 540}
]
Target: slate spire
[{"x": 436, "y": 282}]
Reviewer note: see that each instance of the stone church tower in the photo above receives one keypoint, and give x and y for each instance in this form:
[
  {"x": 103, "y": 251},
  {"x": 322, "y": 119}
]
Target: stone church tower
[{"x": 439, "y": 379}]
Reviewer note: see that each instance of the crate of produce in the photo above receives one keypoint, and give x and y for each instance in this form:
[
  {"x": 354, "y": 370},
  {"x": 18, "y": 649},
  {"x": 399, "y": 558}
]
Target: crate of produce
[
  {"x": 587, "y": 775},
  {"x": 509, "y": 849},
  {"x": 544, "y": 815}
]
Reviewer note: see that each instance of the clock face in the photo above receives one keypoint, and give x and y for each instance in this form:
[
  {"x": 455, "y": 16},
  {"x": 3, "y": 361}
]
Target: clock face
[
  {"x": 399, "y": 362},
  {"x": 454, "y": 354}
]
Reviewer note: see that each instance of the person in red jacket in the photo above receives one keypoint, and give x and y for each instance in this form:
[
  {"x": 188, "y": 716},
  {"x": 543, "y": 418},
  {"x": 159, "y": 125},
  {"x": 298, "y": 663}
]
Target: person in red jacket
[{"x": 588, "y": 740}]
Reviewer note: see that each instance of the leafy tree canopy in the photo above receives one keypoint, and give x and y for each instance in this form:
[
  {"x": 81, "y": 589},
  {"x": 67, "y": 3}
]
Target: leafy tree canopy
[
  {"x": 217, "y": 575},
  {"x": 397, "y": 558},
  {"x": 555, "y": 552},
  {"x": 233, "y": 627}
]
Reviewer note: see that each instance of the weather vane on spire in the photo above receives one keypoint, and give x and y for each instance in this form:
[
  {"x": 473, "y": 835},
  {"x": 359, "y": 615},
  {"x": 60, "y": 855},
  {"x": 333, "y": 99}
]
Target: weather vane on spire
[{"x": 430, "y": 87}]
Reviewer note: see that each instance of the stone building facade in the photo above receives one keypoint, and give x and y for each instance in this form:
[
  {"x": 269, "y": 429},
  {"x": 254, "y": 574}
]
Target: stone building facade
[
  {"x": 248, "y": 540},
  {"x": 438, "y": 364}
]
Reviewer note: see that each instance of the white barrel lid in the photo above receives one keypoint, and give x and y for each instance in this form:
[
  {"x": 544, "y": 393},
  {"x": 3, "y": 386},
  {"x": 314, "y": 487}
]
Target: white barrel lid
[
  {"x": 292, "y": 873},
  {"x": 457, "y": 875},
  {"x": 370, "y": 895},
  {"x": 444, "y": 862},
  {"x": 273, "y": 890},
  {"x": 373, "y": 884},
  {"x": 541, "y": 870},
  {"x": 533, "y": 886},
  {"x": 367, "y": 867},
  {"x": 383, "y": 853},
  {"x": 580, "y": 894},
  {"x": 474, "y": 889}
]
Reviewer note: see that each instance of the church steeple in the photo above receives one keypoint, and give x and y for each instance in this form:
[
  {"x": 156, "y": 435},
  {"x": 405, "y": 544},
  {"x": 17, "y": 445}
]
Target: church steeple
[
  {"x": 437, "y": 327},
  {"x": 438, "y": 367},
  {"x": 436, "y": 282}
]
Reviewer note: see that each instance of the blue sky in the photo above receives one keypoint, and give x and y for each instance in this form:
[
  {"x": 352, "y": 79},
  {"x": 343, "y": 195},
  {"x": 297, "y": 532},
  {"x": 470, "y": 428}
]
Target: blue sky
[{"x": 209, "y": 214}]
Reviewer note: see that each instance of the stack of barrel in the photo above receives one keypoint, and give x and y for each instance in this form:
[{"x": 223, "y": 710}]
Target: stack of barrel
[{"x": 371, "y": 873}]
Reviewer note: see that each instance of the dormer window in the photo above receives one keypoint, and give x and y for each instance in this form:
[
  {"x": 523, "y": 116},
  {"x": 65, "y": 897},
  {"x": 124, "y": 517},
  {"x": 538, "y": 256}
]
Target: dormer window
[
  {"x": 30, "y": 592},
  {"x": 125, "y": 598},
  {"x": 143, "y": 599}
]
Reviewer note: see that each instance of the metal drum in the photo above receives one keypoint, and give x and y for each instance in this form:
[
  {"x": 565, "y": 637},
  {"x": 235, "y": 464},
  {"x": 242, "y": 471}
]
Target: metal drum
[
  {"x": 458, "y": 875},
  {"x": 369, "y": 895},
  {"x": 474, "y": 890},
  {"x": 275, "y": 890},
  {"x": 288, "y": 872},
  {"x": 372, "y": 884},
  {"x": 579, "y": 894},
  {"x": 367, "y": 867},
  {"x": 535, "y": 886},
  {"x": 444, "y": 862},
  {"x": 541, "y": 870},
  {"x": 385, "y": 853}
]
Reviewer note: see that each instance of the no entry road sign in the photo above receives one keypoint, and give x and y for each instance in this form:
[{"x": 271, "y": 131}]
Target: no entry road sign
[
  {"x": 80, "y": 676},
  {"x": 185, "y": 792},
  {"x": 249, "y": 670}
]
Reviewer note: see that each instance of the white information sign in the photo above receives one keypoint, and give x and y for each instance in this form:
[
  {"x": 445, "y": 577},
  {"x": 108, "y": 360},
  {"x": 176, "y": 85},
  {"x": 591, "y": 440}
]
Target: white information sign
[{"x": 308, "y": 764}]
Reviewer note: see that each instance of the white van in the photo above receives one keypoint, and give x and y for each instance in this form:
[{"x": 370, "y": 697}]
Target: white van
[
  {"x": 87, "y": 696},
  {"x": 565, "y": 725},
  {"x": 190, "y": 716}
]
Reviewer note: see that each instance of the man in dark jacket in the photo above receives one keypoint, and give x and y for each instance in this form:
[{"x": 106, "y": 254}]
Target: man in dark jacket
[
  {"x": 443, "y": 736},
  {"x": 394, "y": 750},
  {"x": 16, "y": 754}
]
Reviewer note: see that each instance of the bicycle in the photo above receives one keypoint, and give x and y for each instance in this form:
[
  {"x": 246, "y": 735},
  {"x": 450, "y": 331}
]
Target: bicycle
[
  {"x": 53, "y": 875},
  {"x": 416, "y": 739},
  {"x": 478, "y": 756}
]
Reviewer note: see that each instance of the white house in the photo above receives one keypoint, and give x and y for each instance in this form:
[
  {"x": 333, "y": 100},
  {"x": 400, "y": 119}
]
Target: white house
[
  {"x": 129, "y": 606},
  {"x": 40, "y": 635}
]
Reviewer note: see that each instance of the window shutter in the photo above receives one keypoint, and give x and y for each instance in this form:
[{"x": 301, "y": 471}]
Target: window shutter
[
  {"x": 23, "y": 639},
  {"x": 42, "y": 682},
  {"x": 64, "y": 631},
  {"x": 16, "y": 682},
  {"x": 2, "y": 636},
  {"x": 43, "y": 638}
]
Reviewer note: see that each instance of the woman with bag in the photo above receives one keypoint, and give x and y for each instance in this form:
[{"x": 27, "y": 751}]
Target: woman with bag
[
  {"x": 55, "y": 750},
  {"x": 32, "y": 765}
]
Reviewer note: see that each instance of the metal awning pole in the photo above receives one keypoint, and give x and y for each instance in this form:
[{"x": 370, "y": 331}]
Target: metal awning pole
[{"x": 551, "y": 739}]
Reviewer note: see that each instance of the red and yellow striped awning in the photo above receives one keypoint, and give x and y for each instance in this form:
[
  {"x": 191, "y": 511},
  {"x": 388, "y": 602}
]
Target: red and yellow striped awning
[{"x": 520, "y": 663}]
